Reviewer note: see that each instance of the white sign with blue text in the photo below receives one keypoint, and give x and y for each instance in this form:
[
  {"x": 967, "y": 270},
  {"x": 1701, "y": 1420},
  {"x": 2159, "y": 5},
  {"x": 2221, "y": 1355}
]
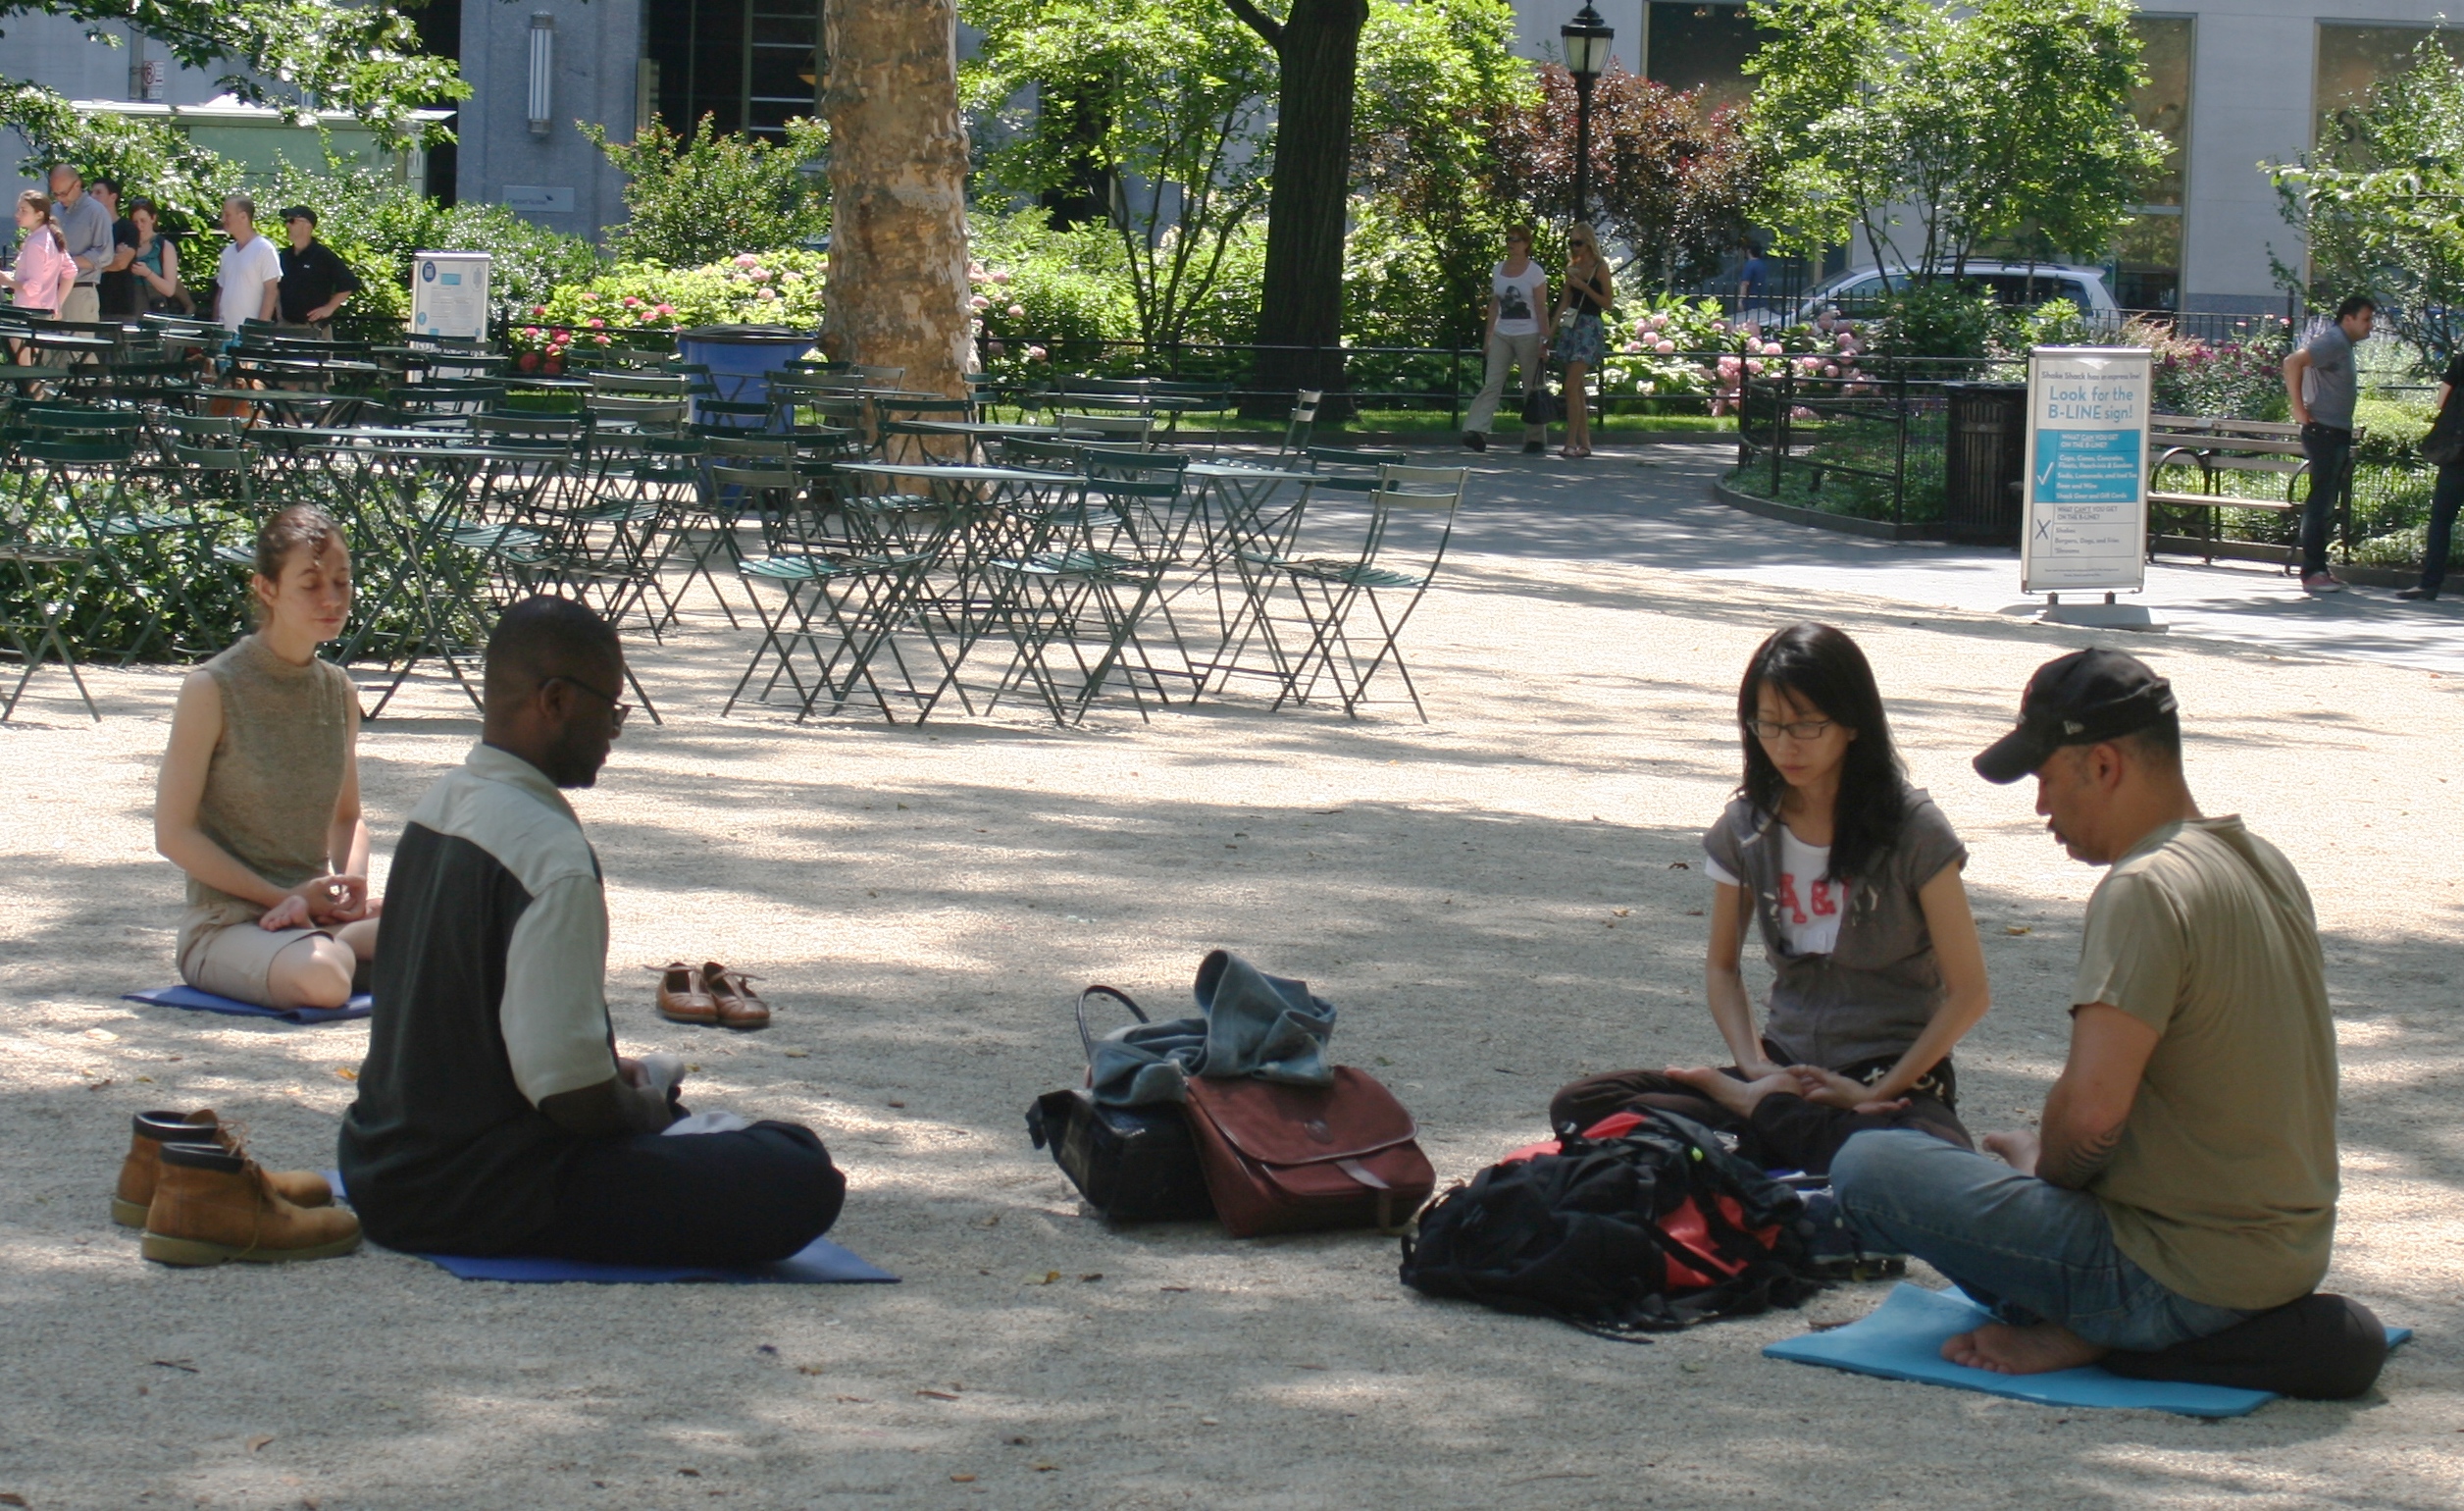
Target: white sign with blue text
[
  {"x": 449, "y": 294},
  {"x": 2085, "y": 524}
]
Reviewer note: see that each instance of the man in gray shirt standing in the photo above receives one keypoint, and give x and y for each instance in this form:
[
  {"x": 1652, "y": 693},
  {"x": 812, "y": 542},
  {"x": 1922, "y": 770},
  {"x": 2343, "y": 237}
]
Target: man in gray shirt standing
[
  {"x": 86, "y": 227},
  {"x": 2320, "y": 381}
]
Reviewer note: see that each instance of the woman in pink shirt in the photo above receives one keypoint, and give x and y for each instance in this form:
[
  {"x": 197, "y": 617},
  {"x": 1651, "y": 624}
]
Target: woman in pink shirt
[{"x": 45, "y": 272}]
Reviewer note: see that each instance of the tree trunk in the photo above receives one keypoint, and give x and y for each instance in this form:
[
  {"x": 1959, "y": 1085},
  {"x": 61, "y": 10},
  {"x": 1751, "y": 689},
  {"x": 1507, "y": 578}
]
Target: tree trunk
[
  {"x": 1317, "y": 46},
  {"x": 898, "y": 290}
]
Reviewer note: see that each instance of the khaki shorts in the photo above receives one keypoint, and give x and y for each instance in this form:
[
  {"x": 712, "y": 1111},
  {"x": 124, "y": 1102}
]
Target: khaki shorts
[{"x": 236, "y": 959}]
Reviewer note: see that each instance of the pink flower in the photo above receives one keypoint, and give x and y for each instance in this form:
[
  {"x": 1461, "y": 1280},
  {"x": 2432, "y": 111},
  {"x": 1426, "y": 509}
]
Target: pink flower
[
  {"x": 595, "y": 323},
  {"x": 1018, "y": 312},
  {"x": 1000, "y": 275},
  {"x": 532, "y": 332},
  {"x": 601, "y": 340},
  {"x": 1037, "y": 353},
  {"x": 748, "y": 260},
  {"x": 979, "y": 302},
  {"x": 1664, "y": 346},
  {"x": 1830, "y": 369},
  {"x": 667, "y": 309},
  {"x": 1635, "y": 346},
  {"x": 632, "y": 303},
  {"x": 587, "y": 297},
  {"x": 538, "y": 312},
  {"x": 645, "y": 316}
]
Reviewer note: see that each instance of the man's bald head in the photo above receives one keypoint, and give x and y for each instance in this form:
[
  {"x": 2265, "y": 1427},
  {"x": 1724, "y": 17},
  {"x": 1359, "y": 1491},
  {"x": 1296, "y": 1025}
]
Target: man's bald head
[{"x": 554, "y": 685}]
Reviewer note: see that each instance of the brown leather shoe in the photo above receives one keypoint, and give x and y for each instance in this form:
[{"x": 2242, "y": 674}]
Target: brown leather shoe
[
  {"x": 150, "y": 1131},
  {"x": 738, "y": 1005},
  {"x": 212, "y": 1205},
  {"x": 681, "y": 996}
]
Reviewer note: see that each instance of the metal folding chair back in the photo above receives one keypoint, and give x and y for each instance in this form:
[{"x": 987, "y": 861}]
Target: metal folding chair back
[
  {"x": 1410, "y": 524},
  {"x": 1296, "y": 432},
  {"x": 1131, "y": 429}
]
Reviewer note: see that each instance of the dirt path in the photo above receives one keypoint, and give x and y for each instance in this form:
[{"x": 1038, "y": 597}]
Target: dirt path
[{"x": 1497, "y": 899}]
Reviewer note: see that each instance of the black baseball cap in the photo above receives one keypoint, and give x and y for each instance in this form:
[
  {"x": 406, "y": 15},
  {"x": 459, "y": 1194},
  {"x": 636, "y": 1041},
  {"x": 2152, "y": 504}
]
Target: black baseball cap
[
  {"x": 300, "y": 213},
  {"x": 2080, "y": 699}
]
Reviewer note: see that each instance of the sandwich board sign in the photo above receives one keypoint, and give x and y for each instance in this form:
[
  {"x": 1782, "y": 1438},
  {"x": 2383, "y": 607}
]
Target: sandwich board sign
[
  {"x": 449, "y": 294},
  {"x": 2084, "y": 527}
]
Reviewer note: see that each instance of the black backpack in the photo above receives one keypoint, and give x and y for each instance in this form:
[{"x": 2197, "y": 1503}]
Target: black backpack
[{"x": 1653, "y": 1230}]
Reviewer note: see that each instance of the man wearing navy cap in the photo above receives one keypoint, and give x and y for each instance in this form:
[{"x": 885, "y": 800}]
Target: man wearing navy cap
[{"x": 2183, "y": 1176}]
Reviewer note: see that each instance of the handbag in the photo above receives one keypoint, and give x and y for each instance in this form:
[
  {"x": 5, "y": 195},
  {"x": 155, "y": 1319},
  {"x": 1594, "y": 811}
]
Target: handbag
[
  {"x": 1542, "y": 407},
  {"x": 1284, "y": 1159},
  {"x": 1131, "y": 1163},
  {"x": 2444, "y": 446}
]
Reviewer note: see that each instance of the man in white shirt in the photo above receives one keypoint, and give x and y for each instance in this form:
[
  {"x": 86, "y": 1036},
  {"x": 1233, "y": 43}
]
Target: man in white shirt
[
  {"x": 250, "y": 276},
  {"x": 1519, "y": 290}
]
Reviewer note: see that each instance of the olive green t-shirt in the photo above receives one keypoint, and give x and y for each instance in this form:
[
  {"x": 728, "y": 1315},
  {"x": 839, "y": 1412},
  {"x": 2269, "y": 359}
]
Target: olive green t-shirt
[{"x": 2223, "y": 1186}]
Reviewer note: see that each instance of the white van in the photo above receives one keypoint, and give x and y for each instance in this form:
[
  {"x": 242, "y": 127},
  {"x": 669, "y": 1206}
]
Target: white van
[{"x": 2018, "y": 285}]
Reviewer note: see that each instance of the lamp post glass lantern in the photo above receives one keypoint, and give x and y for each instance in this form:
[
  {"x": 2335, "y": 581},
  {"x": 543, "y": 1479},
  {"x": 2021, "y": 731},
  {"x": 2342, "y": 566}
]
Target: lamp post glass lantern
[{"x": 1588, "y": 38}]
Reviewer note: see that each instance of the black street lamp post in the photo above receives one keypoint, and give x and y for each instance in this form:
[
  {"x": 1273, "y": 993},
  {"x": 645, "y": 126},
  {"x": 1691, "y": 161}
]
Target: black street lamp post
[{"x": 1588, "y": 38}]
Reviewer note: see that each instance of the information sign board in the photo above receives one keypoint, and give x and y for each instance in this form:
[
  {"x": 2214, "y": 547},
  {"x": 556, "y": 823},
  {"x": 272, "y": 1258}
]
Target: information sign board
[
  {"x": 2086, "y": 483},
  {"x": 449, "y": 294}
]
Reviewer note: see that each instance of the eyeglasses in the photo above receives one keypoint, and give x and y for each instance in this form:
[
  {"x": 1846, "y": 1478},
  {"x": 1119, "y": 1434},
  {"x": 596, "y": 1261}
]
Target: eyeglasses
[
  {"x": 1801, "y": 730},
  {"x": 616, "y": 712}
]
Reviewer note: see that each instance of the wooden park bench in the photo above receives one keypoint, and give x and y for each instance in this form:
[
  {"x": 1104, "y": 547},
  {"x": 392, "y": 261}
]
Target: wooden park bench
[{"x": 2217, "y": 447}]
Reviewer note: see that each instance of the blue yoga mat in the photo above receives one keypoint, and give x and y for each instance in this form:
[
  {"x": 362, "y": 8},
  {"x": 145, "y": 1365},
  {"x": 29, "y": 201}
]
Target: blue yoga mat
[
  {"x": 818, "y": 1263},
  {"x": 1903, "y": 1339},
  {"x": 195, "y": 1001}
]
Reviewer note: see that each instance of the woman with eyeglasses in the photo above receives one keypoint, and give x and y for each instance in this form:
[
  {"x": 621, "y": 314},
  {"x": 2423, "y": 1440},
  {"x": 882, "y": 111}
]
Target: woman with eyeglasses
[
  {"x": 258, "y": 798},
  {"x": 1851, "y": 877},
  {"x": 1589, "y": 294}
]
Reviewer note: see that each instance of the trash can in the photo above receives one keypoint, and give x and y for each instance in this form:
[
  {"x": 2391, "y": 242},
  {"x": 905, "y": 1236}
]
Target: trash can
[
  {"x": 738, "y": 358},
  {"x": 1987, "y": 449}
]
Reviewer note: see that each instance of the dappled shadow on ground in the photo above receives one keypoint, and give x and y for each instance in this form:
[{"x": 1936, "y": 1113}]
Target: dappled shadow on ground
[{"x": 1493, "y": 900}]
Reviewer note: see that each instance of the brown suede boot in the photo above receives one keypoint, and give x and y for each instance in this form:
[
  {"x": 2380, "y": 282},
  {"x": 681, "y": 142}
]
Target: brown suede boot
[
  {"x": 150, "y": 1131},
  {"x": 211, "y": 1205}
]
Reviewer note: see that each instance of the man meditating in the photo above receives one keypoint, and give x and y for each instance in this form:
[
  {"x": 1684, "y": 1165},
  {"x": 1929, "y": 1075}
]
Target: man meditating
[
  {"x": 2183, "y": 1175},
  {"x": 494, "y": 1116}
]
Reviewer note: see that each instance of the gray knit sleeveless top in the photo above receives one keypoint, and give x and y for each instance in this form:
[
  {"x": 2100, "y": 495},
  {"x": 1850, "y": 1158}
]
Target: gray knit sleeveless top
[{"x": 278, "y": 770}]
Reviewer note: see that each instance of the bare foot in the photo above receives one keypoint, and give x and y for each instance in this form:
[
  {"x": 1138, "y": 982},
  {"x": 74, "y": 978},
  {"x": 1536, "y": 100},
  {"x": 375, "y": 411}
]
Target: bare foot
[
  {"x": 2033, "y": 1350},
  {"x": 1738, "y": 1096}
]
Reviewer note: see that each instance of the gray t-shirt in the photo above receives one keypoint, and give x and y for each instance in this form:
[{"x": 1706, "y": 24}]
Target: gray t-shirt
[
  {"x": 2328, "y": 390},
  {"x": 1873, "y": 991}
]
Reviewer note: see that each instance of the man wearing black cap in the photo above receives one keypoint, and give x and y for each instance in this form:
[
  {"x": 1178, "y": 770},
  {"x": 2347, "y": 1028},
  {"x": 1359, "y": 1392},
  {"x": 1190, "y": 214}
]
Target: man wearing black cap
[
  {"x": 315, "y": 278},
  {"x": 2183, "y": 1176}
]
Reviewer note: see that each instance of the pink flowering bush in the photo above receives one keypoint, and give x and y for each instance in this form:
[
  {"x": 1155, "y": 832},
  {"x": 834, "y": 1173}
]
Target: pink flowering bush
[{"x": 646, "y": 299}]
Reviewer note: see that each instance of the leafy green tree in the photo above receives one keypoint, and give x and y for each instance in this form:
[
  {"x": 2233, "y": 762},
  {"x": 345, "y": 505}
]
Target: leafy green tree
[
  {"x": 711, "y": 196},
  {"x": 1166, "y": 107},
  {"x": 1439, "y": 83},
  {"x": 342, "y": 56},
  {"x": 2003, "y": 120},
  {"x": 2381, "y": 204}
]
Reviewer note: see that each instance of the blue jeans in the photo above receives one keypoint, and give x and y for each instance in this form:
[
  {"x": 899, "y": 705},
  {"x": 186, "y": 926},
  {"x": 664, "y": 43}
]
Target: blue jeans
[
  {"x": 2031, "y": 1251},
  {"x": 2330, "y": 454}
]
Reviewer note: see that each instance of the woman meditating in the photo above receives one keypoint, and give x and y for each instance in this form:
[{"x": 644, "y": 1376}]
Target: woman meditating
[
  {"x": 259, "y": 796},
  {"x": 1852, "y": 879}
]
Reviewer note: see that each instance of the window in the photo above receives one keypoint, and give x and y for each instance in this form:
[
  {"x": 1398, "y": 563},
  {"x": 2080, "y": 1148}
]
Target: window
[
  {"x": 746, "y": 64},
  {"x": 1691, "y": 46},
  {"x": 2146, "y": 266},
  {"x": 2352, "y": 59}
]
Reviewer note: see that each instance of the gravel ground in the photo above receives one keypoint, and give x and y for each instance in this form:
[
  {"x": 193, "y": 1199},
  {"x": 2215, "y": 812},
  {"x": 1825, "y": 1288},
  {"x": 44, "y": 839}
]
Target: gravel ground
[{"x": 1497, "y": 900}]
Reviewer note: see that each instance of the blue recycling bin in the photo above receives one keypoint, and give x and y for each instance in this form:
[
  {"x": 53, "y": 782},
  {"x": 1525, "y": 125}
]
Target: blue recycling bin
[{"x": 739, "y": 358}]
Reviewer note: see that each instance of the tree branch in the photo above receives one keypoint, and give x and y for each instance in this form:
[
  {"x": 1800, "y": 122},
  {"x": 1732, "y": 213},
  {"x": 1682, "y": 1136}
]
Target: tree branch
[{"x": 1260, "y": 22}]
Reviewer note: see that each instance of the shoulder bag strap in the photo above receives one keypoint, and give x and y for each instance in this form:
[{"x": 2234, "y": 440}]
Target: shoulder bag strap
[{"x": 1086, "y": 1036}]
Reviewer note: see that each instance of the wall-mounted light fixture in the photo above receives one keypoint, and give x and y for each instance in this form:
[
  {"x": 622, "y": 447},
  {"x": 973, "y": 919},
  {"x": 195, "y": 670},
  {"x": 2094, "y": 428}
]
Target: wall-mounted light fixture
[{"x": 542, "y": 69}]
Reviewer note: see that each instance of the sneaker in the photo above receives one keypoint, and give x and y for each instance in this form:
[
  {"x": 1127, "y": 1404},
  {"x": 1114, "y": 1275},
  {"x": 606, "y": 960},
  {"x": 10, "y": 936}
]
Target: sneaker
[
  {"x": 1534, "y": 447},
  {"x": 2418, "y": 594},
  {"x": 1834, "y": 1249},
  {"x": 212, "y": 1205},
  {"x": 1475, "y": 440},
  {"x": 142, "y": 1169},
  {"x": 2321, "y": 582}
]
